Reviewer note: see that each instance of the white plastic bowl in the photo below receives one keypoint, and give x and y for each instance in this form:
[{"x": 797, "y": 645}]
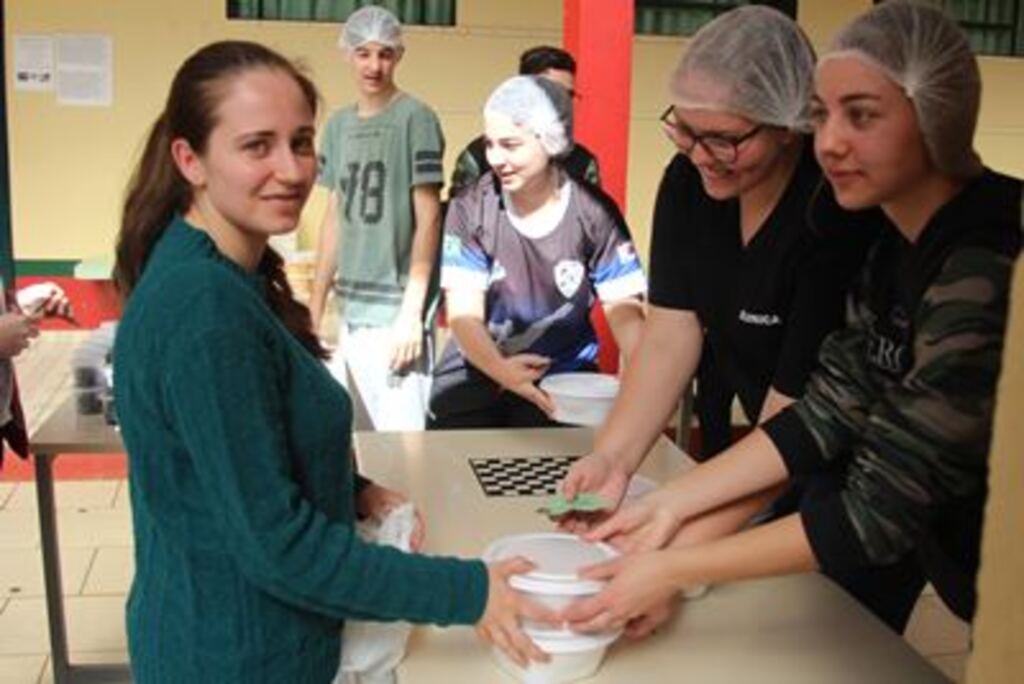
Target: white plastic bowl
[
  {"x": 581, "y": 398},
  {"x": 572, "y": 659},
  {"x": 553, "y": 583}
]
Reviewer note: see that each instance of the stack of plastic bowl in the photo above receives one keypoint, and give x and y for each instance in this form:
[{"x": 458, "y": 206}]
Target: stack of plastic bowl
[
  {"x": 581, "y": 398},
  {"x": 91, "y": 372},
  {"x": 554, "y": 583}
]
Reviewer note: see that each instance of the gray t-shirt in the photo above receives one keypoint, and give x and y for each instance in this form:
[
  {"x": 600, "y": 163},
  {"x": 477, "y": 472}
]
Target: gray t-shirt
[{"x": 373, "y": 164}]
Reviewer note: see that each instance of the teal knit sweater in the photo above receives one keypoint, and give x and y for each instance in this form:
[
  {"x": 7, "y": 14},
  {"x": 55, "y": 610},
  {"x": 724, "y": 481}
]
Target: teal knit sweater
[{"x": 242, "y": 489}]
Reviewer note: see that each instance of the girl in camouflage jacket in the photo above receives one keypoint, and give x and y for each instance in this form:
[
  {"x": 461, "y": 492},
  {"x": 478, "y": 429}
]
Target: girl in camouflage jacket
[{"x": 892, "y": 436}]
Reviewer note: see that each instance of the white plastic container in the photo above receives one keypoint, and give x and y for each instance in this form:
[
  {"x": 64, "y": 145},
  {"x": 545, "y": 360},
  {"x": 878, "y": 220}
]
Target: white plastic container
[
  {"x": 554, "y": 583},
  {"x": 581, "y": 398},
  {"x": 572, "y": 659}
]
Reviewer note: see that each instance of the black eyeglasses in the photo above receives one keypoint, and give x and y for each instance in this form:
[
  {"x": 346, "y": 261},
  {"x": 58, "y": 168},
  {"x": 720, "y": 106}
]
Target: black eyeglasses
[{"x": 721, "y": 147}]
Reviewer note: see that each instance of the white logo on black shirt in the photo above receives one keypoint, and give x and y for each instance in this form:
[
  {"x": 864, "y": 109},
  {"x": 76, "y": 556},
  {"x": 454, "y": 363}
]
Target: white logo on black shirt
[
  {"x": 765, "y": 320},
  {"x": 568, "y": 276}
]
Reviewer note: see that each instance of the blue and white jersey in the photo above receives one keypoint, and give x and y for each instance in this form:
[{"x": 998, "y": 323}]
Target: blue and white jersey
[{"x": 543, "y": 275}]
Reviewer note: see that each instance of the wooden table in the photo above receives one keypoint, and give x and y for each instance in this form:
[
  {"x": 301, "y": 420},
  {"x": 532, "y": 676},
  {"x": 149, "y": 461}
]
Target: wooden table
[
  {"x": 791, "y": 630},
  {"x": 787, "y": 630}
]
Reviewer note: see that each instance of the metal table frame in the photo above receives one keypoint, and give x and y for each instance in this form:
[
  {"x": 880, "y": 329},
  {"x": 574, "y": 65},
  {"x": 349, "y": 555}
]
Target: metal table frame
[{"x": 66, "y": 432}]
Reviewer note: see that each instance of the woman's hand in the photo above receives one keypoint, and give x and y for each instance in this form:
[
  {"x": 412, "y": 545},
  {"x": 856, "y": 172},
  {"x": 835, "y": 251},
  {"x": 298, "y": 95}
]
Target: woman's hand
[
  {"x": 376, "y": 502},
  {"x": 593, "y": 474},
  {"x": 518, "y": 374},
  {"x": 44, "y": 299},
  {"x": 639, "y": 588},
  {"x": 500, "y": 622},
  {"x": 647, "y": 524},
  {"x": 16, "y": 329},
  {"x": 649, "y": 622}
]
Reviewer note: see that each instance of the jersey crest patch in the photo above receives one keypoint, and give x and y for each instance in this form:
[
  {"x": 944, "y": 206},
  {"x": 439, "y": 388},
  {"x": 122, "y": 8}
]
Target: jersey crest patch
[{"x": 568, "y": 277}]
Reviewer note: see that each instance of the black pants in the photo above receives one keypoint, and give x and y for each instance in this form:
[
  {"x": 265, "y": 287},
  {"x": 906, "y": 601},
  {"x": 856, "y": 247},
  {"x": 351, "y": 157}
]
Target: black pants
[{"x": 508, "y": 410}]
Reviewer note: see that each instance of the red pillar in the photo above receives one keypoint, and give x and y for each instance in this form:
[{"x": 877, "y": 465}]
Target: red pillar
[{"x": 599, "y": 34}]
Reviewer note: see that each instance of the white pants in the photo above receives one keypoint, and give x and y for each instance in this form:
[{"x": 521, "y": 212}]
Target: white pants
[{"x": 392, "y": 402}]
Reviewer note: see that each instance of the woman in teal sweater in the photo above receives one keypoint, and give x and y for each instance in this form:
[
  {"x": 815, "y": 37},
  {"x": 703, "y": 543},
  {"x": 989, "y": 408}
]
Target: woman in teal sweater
[{"x": 242, "y": 484}]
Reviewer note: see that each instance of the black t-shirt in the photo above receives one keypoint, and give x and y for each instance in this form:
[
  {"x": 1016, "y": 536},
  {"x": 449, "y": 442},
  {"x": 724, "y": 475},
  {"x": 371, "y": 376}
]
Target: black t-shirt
[{"x": 766, "y": 306}]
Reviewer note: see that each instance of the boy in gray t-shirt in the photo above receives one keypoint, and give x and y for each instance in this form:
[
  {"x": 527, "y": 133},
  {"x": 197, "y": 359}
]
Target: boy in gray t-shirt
[{"x": 381, "y": 160}]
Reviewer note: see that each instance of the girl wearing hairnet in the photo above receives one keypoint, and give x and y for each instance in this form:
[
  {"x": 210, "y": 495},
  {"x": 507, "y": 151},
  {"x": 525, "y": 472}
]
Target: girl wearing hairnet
[
  {"x": 527, "y": 252},
  {"x": 750, "y": 255},
  {"x": 892, "y": 434}
]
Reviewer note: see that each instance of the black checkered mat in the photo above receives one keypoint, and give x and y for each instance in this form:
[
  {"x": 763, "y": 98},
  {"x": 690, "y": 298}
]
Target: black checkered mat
[{"x": 529, "y": 476}]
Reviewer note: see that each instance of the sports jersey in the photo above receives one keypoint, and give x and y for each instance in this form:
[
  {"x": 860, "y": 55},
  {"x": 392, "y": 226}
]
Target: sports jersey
[
  {"x": 764, "y": 306},
  {"x": 471, "y": 163},
  {"x": 539, "y": 288},
  {"x": 902, "y": 406},
  {"x": 373, "y": 164}
]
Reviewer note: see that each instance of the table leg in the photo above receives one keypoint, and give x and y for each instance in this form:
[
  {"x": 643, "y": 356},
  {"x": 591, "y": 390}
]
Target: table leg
[{"x": 51, "y": 567}]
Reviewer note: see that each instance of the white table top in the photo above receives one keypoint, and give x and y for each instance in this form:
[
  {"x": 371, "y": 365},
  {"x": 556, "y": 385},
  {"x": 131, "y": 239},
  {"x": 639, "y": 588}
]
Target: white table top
[{"x": 787, "y": 630}]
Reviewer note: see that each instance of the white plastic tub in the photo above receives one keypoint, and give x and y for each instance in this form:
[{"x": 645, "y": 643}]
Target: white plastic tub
[
  {"x": 554, "y": 583},
  {"x": 581, "y": 398}
]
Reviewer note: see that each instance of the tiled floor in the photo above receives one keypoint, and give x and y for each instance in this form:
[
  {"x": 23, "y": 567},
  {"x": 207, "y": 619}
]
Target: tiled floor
[{"x": 96, "y": 555}]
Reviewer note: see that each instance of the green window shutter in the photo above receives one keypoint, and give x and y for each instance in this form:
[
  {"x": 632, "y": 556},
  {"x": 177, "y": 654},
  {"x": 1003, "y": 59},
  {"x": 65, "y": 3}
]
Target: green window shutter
[
  {"x": 994, "y": 27},
  {"x": 410, "y": 12},
  {"x": 685, "y": 17}
]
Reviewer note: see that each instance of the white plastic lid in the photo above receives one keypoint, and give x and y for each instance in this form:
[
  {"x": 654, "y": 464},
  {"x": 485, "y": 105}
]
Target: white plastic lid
[
  {"x": 545, "y": 634},
  {"x": 558, "y": 557},
  {"x": 577, "y": 643},
  {"x": 582, "y": 385}
]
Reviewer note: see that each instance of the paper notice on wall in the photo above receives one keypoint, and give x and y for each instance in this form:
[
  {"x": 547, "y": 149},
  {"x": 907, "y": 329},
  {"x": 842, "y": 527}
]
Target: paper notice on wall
[
  {"x": 85, "y": 64},
  {"x": 33, "y": 62}
]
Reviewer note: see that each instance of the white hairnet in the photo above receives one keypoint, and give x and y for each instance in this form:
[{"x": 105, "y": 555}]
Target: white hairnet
[
  {"x": 925, "y": 53},
  {"x": 541, "y": 106},
  {"x": 753, "y": 61},
  {"x": 371, "y": 24}
]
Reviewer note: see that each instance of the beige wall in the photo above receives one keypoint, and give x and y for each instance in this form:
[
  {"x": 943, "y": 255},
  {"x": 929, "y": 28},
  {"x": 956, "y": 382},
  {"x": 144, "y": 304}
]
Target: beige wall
[
  {"x": 70, "y": 164},
  {"x": 998, "y": 646}
]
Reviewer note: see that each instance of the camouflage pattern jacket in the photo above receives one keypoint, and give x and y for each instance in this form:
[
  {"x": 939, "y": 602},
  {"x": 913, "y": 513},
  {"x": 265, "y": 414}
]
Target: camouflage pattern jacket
[{"x": 901, "y": 406}]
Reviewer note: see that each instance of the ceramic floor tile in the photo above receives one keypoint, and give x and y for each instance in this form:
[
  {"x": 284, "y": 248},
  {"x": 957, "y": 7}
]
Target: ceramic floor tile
[
  {"x": 21, "y": 571},
  {"x": 115, "y": 666},
  {"x": 24, "y": 669},
  {"x": 933, "y": 630},
  {"x": 6, "y": 491},
  {"x": 77, "y": 495},
  {"x": 123, "y": 498},
  {"x": 94, "y": 527},
  {"x": 23, "y": 628},
  {"x": 953, "y": 666},
  {"x": 111, "y": 571},
  {"x": 19, "y": 529},
  {"x": 94, "y": 624}
]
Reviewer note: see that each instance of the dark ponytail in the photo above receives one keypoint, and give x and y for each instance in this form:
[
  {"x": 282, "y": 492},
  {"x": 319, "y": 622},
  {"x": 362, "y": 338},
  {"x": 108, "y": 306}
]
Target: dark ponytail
[
  {"x": 157, "y": 191},
  {"x": 282, "y": 302}
]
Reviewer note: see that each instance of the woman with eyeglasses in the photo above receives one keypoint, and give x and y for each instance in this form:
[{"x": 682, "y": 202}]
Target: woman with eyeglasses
[
  {"x": 750, "y": 256},
  {"x": 892, "y": 435}
]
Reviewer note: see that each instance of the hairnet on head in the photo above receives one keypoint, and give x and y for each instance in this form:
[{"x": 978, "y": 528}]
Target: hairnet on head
[
  {"x": 925, "y": 53},
  {"x": 541, "y": 106},
  {"x": 753, "y": 61},
  {"x": 371, "y": 24}
]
